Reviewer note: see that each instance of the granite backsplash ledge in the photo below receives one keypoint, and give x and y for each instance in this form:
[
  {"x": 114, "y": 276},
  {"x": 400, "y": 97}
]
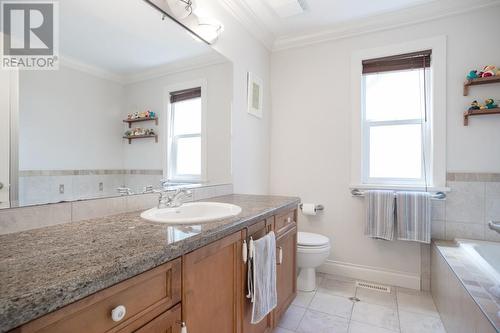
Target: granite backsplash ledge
[{"x": 44, "y": 269}]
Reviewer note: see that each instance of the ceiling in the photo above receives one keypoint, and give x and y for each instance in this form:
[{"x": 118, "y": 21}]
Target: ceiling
[
  {"x": 123, "y": 37},
  {"x": 322, "y": 14},
  {"x": 333, "y": 19}
]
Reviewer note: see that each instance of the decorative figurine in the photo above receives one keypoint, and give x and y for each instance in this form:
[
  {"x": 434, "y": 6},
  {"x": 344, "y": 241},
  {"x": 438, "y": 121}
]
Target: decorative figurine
[
  {"x": 474, "y": 106},
  {"x": 490, "y": 104},
  {"x": 472, "y": 75},
  {"x": 489, "y": 71}
]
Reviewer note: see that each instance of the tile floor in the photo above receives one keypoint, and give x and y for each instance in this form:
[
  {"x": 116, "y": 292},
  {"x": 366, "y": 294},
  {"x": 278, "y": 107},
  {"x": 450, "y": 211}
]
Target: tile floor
[{"x": 329, "y": 310}]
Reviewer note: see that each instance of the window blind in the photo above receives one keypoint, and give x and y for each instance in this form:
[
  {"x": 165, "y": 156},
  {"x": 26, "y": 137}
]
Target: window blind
[
  {"x": 421, "y": 59},
  {"x": 185, "y": 94}
]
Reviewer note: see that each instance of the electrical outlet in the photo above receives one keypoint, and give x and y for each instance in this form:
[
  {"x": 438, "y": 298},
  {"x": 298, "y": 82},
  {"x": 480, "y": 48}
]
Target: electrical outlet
[
  {"x": 101, "y": 186},
  {"x": 61, "y": 188}
]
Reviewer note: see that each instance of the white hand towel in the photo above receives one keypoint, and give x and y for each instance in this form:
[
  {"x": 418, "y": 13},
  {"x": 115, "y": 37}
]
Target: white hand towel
[{"x": 264, "y": 277}]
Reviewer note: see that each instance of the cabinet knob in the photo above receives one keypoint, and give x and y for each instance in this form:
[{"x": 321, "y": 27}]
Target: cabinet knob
[
  {"x": 280, "y": 255},
  {"x": 183, "y": 326},
  {"x": 118, "y": 313}
]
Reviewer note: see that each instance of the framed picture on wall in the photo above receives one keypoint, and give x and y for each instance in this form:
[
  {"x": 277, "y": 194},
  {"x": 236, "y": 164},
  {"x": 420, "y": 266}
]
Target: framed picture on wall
[{"x": 255, "y": 95}]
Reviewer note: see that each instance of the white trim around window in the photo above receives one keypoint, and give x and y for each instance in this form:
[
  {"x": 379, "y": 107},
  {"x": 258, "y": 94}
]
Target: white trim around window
[
  {"x": 437, "y": 146},
  {"x": 168, "y": 107}
]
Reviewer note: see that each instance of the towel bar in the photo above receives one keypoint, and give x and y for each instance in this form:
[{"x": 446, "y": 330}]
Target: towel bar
[{"x": 436, "y": 196}]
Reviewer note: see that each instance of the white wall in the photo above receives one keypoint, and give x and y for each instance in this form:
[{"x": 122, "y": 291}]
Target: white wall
[
  {"x": 250, "y": 135},
  {"x": 150, "y": 94},
  {"x": 310, "y": 134},
  {"x": 69, "y": 119}
]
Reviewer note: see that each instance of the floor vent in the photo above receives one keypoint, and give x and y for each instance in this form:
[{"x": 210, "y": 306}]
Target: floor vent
[{"x": 373, "y": 286}]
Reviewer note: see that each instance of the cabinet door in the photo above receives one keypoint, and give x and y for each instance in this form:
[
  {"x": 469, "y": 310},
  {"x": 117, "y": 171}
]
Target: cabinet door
[
  {"x": 255, "y": 231},
  {"x": 167, "y": 322},
  {"x": 286, "y": 273},
  {"x": 212, "y": 289}
]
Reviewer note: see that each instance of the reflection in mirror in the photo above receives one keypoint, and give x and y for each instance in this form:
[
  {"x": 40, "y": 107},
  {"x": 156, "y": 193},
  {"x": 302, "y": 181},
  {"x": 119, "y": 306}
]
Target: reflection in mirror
[{"x": 136, "y": 99}]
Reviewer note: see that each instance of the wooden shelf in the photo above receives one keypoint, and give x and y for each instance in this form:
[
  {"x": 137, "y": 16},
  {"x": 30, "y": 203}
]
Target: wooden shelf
[
  {"x": 130, "y": 121},
  {"x": 130, "y": 138},
  {"x": 468, "y": 114},
  {"x": 479, "y": 81}
]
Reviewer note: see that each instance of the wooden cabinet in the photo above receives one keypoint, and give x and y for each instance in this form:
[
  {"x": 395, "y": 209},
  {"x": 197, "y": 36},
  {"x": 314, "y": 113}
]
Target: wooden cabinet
[
  {"x": 286, "y": 273},
  {"x": 205, "y": 288},
  {"x": 212, "y": 287},
  {"x": 255, "y": 231},
  {"x": 143, "y": 297},
  {"x": 168, "y": 322},
  {"x": 285, "y": 221}
]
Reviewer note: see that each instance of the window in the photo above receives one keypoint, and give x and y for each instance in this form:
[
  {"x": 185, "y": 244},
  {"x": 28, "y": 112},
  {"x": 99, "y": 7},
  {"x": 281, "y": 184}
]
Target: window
[
  {"x": 396, "y": 122},
  {"x": 185, "y": 135}
]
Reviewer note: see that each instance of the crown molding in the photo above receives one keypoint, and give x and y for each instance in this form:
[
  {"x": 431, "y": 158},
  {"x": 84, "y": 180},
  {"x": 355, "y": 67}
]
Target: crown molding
[
  {"x": 250, "y": 21},
  {"x": 102, "y": 73},
  {"x": 184, "y": 65},
  {"x": 410, "y": 16}
]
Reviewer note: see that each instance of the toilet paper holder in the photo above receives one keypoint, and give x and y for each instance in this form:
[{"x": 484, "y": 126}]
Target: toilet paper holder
[{"x": 316, "y": 207}]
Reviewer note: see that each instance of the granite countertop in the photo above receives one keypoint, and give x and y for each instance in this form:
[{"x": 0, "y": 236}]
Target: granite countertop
[{"x": 45, "y": 269}]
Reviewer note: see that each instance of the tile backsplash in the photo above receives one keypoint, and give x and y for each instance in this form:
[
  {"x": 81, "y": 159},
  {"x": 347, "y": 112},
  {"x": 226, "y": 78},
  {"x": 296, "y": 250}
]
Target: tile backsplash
[
  {"x": 33, "y": 217},
  {"x": 46, "y": 186},
  {"x": 473, "y": 201}
]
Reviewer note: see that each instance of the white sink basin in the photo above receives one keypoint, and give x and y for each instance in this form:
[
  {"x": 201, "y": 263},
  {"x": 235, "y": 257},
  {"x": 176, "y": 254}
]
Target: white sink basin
[{"x": 192, "y": 212}]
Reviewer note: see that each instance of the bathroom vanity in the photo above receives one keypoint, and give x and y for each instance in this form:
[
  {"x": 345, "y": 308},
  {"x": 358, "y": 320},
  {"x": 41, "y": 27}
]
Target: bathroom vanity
[{"x": 125, "y": 274}]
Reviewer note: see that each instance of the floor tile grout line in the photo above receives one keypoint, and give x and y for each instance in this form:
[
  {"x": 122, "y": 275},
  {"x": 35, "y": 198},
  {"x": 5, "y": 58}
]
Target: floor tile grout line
[{"x": 397, "y": 309}]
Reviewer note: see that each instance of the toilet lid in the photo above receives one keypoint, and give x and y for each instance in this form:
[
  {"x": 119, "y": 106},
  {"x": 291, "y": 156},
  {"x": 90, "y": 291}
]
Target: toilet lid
[{"x": 310, "y": 239}]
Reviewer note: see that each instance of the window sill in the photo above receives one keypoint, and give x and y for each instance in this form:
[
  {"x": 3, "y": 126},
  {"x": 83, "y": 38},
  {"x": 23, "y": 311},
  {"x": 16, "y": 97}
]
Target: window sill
[{"x": 396, "y": 187}]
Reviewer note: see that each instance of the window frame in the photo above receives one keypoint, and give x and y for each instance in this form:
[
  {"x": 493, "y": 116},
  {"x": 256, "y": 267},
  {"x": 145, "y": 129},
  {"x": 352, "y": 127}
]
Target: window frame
[
  {"x": 426, "y": 133},
  {"x": 170, "y": 142},
  {"x": 437, "y": 144}
]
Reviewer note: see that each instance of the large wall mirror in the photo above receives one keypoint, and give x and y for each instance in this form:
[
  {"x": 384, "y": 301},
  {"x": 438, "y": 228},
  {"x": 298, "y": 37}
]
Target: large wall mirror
[{"x": 136, "y": 99}]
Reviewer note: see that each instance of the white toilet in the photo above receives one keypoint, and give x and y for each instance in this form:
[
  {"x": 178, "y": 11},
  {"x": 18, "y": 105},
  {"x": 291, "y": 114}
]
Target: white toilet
[{"x": 312, "y": 251}]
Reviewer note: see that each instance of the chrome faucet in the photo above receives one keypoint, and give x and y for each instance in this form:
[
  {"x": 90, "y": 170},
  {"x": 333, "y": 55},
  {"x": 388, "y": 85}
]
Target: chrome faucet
[
  {"x": 173, "y": 200},
  {"x": 494, "y": 226}
]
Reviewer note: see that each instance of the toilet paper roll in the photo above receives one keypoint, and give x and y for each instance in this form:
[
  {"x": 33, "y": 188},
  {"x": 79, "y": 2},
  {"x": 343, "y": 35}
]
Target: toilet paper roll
[{"x": 309, "y": 209}]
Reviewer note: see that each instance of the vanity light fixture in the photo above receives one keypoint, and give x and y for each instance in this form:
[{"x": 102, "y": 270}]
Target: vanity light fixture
[
  {"x": 209, "y": 29},
  {"x": 181, "y": 8}
]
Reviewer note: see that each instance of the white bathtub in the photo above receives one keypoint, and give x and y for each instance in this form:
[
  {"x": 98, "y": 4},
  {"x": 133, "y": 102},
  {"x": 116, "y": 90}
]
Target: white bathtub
[
  {"x": 464, "y": 275},
  {"x": 486, "y": 255}
]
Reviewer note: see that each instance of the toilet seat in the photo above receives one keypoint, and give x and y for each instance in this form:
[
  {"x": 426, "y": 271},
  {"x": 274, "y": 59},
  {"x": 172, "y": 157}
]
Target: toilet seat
[{"x": 310, "y": 240}]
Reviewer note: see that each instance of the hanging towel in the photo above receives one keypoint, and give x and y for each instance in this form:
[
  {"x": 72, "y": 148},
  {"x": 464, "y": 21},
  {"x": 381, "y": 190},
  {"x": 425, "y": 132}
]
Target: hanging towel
[
  {"x": 264, "y": 277},
  {"x": 413, "y": 216},
  {"x": 379, "y": 206}
]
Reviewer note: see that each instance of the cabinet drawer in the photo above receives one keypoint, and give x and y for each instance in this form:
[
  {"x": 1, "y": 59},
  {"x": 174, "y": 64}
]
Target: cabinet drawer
[
  {"x": 159, "y": 288},
  {"x": 285, "y": 221},
  {"x": 286, "y": 278},
  {"x": 167, "y": 322}
]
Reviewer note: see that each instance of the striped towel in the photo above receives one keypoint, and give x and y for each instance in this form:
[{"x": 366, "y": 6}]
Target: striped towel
[
  {"x": 379, "y": 206},
  {"x": 413, "y": 216}
]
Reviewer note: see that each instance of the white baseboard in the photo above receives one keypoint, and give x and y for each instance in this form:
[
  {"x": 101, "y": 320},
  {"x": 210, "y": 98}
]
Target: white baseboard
[{"x": 373, "y": 274}]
